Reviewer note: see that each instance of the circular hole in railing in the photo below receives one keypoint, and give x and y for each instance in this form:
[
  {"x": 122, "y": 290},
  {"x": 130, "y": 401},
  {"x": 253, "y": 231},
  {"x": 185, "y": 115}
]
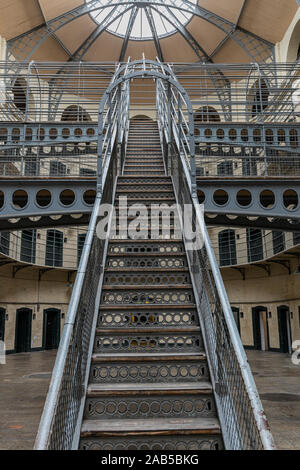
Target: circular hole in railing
[
  {"x": 43, "y": 198},
  {"x": 232, "y": 134},
  {"x": 15, "y": 134},
  {"x": 220, "y": 197},
  {"x": 244, "y": 135},
  {"x": 256, "y": 135},
  {"x": 201, "y": 197},
  {"x": 1, "y": 199},
  {"x": 244, "y": 197},
  {"x": 197, "y": 131},
  {"x": 208, "y": 133},
  {"x": 267, "y": 199},
  {"x": 281, "y": 135},
  {"x": 53, "y": 133},
  {"x": 28, "y": 134},
  {"x": 90, "y": 132},
  {"x": 269, "y": 136},
  {"x": 89, "y": 197},
  {"x": 65, "y": 133},
  {"x": 41, "y": 134},
  {"x": 20, "y": 199},
  {"x": 290, "y": 199},
  {"x": 78, "y": 132},
  {"x": 220, "y": 134},
  {"x": 3, "y": 134},
  {"x": 67, "y": 197},
  {"x": 293, "y": 138}
]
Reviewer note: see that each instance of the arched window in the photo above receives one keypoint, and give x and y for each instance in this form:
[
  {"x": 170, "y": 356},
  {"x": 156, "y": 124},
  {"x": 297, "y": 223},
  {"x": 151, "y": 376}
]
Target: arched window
[
  {"x": 54, "y": 248},
  {"x": 227, "y": 248},
  {"x": 75, "y": 113},
  {"x": 254, "y": 244},
  {"x": 28, "y": 246},
  {"x": 207, "y": 114},
  {"x": 260, "y": 97},
  {"x": 19, "y": 92},
  {"x": 278, "y": 241}
]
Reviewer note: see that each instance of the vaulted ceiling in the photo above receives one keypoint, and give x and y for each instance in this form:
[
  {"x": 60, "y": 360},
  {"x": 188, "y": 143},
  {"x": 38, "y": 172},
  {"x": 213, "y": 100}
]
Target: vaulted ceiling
[{"x": 174, "y": 30}]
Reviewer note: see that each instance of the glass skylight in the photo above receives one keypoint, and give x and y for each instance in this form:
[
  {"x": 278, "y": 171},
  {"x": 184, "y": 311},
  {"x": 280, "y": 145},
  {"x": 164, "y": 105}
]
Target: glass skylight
[{"x": 139, "y": 19}]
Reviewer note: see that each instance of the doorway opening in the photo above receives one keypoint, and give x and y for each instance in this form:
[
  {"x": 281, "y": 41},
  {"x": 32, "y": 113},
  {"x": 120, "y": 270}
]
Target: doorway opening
[
  {"x": 51, "y": 328},
  {"x": 260, "y": 328},
  {"x": 23, "y": 330},
  {"x": 2, "y": 324},
  {"x": 284, "y": 328}
]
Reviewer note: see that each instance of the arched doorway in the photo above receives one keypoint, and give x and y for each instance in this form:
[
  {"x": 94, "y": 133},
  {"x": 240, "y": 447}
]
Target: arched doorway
[
  {"x": 284, "y": 328},
  {"x": 260, "y": 328},
  {"x": 23, "y": 330},
  {"x": 51, "y": 329},
  {"x": 2, "y": 324}
]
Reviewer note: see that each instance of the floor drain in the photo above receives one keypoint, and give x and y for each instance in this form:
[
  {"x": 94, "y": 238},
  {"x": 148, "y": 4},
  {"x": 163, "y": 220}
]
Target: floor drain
[
  {"x": 282, "y": 397},
  {"x": 41, "y": 375}
]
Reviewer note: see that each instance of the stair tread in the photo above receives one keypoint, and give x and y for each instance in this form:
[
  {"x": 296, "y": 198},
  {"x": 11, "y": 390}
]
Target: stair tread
[
  {"x": 170, "y": 253},
  {"x": 140, "y": 387},
  {"x": 149, "y": 357},
  {"x": 150, "y": 287},
  {"x": 157, "y": 424},
  {"x": 145, "y": 270},
  {"x": 148, "y": 307},
  {"x": 147, "y": 330},
  {"x": 154, "y": 240}
]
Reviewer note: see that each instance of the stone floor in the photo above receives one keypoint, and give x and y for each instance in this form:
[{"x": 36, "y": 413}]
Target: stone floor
[{"x": 25, "y": 378}]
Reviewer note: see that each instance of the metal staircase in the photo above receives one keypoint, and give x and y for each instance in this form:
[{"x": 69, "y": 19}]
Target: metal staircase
[
  {"x": 150, "y": 356},
  {"x": 149, "y": 384}
]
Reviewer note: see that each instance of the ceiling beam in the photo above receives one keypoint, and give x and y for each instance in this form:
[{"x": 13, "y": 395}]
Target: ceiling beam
[
  {"x": 240, "y": 35},
  {"x": 154, "y": 33},
  {"x": 128, "y": 32}
]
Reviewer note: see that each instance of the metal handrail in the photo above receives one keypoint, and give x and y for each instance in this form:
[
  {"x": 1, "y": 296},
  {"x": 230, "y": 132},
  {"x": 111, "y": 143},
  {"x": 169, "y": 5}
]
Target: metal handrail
[{"x": 240, "y": 430}]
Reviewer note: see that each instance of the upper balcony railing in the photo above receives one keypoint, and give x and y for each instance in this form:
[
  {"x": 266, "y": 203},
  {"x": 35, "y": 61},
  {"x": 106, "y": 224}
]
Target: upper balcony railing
[{"x": 245, "y": 117}]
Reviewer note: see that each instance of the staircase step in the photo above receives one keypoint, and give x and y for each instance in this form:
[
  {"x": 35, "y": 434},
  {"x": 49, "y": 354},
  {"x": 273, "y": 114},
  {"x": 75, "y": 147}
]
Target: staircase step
[
  {"x": 143, "y": 367},
  {"x": 148, "y": 331},
  {"x": 162, "y": 425},
  {"x": 150, "y": 287},
  {"x": 142, "y": 278},
  {"x": 155, "y": 388},
  {"x": 157, "y": 319},
  {"x": 134, "y": 404},
  {"x": 149, "y": 383}
]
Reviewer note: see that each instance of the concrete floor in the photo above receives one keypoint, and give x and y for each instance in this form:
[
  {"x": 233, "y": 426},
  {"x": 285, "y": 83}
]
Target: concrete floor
[{"x": 25, "y": 378}]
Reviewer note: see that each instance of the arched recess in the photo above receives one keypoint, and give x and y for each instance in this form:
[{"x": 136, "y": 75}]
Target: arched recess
[
  {"x": 75, "y": 113},
  {"x": 207, "y": 114},
  {"x": 141, "y": 117},
  {"x": 293, "y": 50},
  {"x": 22, "y": 96}
]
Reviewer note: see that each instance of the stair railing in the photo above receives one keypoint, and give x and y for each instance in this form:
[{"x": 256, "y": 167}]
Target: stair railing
[
  {"x": 62, "y": 416},
  {"x": 242, "y": 418}
]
